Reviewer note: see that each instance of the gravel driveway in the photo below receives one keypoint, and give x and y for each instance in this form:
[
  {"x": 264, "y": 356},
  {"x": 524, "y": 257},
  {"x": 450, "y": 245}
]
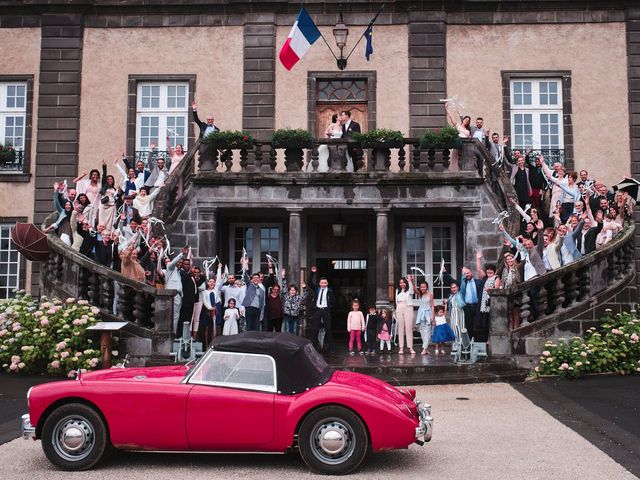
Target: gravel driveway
[{"x": 495, "y": 434}]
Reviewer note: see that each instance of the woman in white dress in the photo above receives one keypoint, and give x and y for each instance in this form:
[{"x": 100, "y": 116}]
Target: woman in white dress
[{"x": 334, "y": 130}]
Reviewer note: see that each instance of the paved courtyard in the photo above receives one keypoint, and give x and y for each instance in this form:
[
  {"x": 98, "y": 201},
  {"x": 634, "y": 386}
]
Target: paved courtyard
[{"x": 482, "y": 431}]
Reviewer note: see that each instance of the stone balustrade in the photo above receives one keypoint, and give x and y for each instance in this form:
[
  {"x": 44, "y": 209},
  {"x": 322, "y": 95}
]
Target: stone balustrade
[
  {"x": 263, "y": 158},
  {"x": 567, "y": 301},
  {"x": 148, "y": 310}
]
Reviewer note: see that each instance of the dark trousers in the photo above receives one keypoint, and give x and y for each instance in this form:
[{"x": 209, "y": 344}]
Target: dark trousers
[
  {"x": 372, "y": 339},
  {"x": 536, "y": 197},
  {"x": 275, "y": 324},
  {"x": 322, "y": 317},
  {"x": 252, "y": 316},
  {"x": 566, "y": 212},
  {"x": 291, "y": 324},
  {"x": 470, "y": 318},
  {"x": 186, "y": 312}
]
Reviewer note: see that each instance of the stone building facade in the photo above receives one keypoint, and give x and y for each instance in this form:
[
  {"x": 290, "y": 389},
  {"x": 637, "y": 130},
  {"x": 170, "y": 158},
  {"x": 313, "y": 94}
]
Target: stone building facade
[{"x": 94, "y": 78}]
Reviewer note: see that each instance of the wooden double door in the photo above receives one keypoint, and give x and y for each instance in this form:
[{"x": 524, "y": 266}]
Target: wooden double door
[{"x": 324, "y": 112}]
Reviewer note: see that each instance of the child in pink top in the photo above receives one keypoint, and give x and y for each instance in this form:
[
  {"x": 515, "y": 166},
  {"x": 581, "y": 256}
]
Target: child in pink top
[{"x": 355, "y": 326}]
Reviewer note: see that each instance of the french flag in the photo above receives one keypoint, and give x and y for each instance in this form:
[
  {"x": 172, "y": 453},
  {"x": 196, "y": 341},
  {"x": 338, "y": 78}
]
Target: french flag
[{"x": 303, "y": 34}]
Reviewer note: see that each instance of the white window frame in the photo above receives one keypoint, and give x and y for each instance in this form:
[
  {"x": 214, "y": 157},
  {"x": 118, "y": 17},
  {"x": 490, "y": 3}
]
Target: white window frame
[
  {"x": 536, "y": 109},
  {"x": 5, "y": 233},
  {"x": 254, "y": 265},
  {"x": 428, "y": 249},
  {"x": 163, "y": 112},
  {"x": 210, "y": 356},
  {"x": 6, "y": 112}
]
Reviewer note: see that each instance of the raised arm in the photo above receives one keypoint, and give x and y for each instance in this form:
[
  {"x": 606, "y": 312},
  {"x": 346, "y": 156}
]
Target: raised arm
[
  {"x": 169, "y": 147},
  {"x": 450, "y": 115},
  {"x": 481, "y": 272},
  {"x": 79, "y": 177},
  {"x": 506, "y": 235},
  {"x": 523, "y": 214}
]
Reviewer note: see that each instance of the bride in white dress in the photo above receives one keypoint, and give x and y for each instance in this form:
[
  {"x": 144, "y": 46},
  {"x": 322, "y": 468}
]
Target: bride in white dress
[{"x": 334, "y": 130}]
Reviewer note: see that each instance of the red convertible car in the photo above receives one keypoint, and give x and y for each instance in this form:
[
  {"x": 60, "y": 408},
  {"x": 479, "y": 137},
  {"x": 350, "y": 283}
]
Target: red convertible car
[{"x": 252, "y": 392}]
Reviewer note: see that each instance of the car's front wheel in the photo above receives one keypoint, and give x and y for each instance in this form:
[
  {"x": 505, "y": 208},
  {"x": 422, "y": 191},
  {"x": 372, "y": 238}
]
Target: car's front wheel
[
  {"x": 333, "y": 440},
  {"x": 74, "y": 437}
]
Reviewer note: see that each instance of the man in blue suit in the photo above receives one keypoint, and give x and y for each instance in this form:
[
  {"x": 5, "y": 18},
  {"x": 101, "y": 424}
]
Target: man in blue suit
[{"x": 471, "y": 291}]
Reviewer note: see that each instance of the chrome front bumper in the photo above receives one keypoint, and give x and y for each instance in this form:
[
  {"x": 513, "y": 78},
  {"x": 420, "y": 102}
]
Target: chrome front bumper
[
  {"x": 424, "y": 430},
  {"x": 28, "y": 430}
]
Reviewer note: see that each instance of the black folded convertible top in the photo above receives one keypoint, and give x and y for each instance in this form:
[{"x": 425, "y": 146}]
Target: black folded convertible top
[{"x": 298, "y": 365}]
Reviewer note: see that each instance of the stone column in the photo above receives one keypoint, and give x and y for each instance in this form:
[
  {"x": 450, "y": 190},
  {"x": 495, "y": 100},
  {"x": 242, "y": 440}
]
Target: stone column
[
  {"x": 470, "y": 232},
  {"x": 295, "y": 234},
  {"x": 382, "y": 256},
  {"x": 207, "y": 232}
]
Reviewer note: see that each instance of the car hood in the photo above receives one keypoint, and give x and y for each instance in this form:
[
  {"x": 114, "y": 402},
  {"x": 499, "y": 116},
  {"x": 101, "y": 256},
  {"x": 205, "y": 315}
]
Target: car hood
[
  {"x": 169, "y": 374},
  {"x": 372, "y": 386}
]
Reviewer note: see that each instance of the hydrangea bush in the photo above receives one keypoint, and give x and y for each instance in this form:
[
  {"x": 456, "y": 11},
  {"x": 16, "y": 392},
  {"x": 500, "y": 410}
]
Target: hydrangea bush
[
  {"x": 612, "y": 348},
  {"x": 48, "y": 335}
]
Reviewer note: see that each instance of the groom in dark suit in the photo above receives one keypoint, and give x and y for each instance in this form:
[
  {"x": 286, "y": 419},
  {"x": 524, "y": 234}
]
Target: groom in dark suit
[{"x": 349, "y": 127}]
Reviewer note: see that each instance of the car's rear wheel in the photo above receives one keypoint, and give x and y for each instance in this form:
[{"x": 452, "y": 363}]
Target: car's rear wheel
[
  {"x": 333, "y": 440},
  {"x": 74, "y": 437}
]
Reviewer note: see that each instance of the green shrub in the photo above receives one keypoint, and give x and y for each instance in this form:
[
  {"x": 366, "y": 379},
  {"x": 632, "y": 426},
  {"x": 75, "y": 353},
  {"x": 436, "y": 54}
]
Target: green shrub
[
  {"x": 292, "y": 138},
  {"x": 380, "y": 138},
  {"x": 446, "y": 137},
  {"x": 229, "y": 140},
  {"x": 47, "y": 336},
  {"x": 613, "y": 348}
]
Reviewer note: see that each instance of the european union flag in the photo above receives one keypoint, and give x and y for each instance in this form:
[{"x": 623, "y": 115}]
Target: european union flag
[{"x": 368, "y": 34}]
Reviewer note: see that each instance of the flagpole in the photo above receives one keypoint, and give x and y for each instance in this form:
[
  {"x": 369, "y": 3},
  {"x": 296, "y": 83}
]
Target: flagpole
[
  {"x": 365, "y": 31},
  {"x": 328, "y": 46}
]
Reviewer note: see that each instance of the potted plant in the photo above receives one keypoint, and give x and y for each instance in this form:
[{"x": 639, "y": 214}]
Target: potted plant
[
  {"x": 381, "y": 141},
  {"x": 438, "y": 144},
  {"x": 225, "y": 141},
  {"x": 7, "y": 154},
  {"x": 293, "y": 140}
]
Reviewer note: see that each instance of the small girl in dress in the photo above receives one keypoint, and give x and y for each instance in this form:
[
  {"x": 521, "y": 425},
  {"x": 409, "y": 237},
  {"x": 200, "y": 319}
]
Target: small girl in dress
[
  {"x": 442, "y": 332},
  {"x": 355, "y": 326},
  {"x": 384, "y": 330},
  {"x": 231, "y": 316}
]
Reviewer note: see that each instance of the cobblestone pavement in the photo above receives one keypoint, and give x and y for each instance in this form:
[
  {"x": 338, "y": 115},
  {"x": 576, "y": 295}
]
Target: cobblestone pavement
[{"x": 482, "y": 431}]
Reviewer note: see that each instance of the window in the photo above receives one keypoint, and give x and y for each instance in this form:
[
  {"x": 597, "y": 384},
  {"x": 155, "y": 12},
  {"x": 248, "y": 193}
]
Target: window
[
  {"x": 537, "y": 117},
  {"x": 10, "y": 263},
  {"x": 259, "y": 240},
  {"x": 342, "y": 90},
  {"x": 236, "y": 370},
  {"x": 162, "y": 111},
  {"x": 424, "y": 246}
]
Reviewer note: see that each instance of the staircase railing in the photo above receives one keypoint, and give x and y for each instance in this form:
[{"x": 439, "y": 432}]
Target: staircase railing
[
  {"x": 148, "y": 310},
  {"x": 569, "y": 294},
  {"x": 174, "y": 195}
]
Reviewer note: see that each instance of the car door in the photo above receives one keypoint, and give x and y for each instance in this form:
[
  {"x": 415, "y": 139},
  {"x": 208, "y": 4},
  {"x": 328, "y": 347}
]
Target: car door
[{"x": 231, "y": 404}]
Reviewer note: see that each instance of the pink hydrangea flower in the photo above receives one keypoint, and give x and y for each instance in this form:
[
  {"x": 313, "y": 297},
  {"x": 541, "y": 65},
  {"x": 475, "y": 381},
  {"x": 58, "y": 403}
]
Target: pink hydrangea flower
[
  {"x": 44, "y": 322},
  {"x": 71, "y": 374},
  {"x": 634, "y": 338},
  {"x": 15, "y": 358},
  {"x": 546, "y": 353},
  {"x": 64, "y": 354},
  {"x": 70, "y": 300},
  {"x": 55, "y": 364},
  {"x": 3, "y": 332},
  {"x": 61, "y": 346},
  {"x": 13, "y": 367},
  {"x": 564, "y": 366}
]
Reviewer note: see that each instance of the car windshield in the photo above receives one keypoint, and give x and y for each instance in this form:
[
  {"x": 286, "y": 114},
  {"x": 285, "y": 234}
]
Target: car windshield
[{"x": 233, "y": 369}]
